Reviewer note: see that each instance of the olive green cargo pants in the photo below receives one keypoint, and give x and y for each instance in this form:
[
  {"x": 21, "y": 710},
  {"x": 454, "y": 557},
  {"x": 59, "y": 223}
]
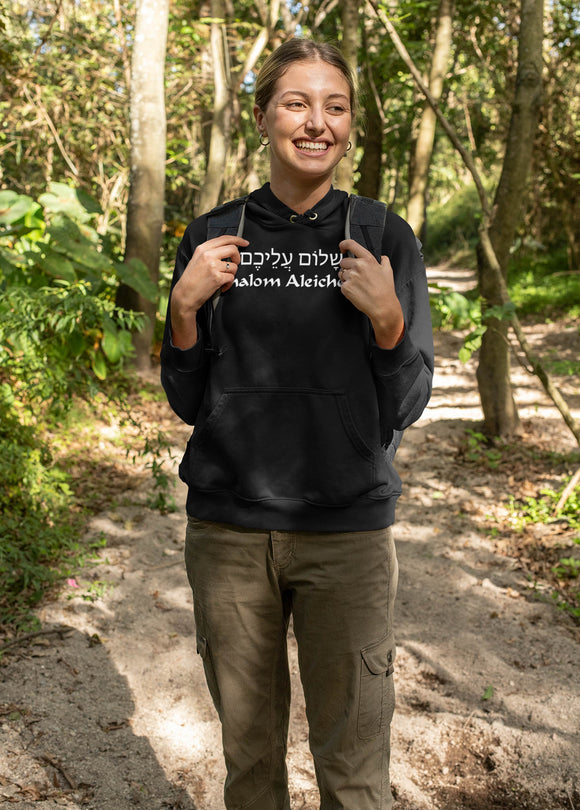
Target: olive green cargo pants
[{"x": 340, "y": 589}]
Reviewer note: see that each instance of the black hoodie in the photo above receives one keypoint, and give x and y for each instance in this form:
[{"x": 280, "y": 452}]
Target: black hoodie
[{"x": 297, "y": 410}]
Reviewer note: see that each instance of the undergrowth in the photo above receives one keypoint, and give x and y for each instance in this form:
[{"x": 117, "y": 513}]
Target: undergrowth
[
  {"x": 38, "y": 525},
  {"x": 536, "y": 525},
  {"x": 54, "y": 475},
  {"x": 541, "y": 285},
  {"x": 63, "y": 340}
]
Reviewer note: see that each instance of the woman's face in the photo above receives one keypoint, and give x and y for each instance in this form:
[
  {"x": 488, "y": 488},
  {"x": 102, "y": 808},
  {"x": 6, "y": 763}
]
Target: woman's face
[{"x": 307, "y": 121}]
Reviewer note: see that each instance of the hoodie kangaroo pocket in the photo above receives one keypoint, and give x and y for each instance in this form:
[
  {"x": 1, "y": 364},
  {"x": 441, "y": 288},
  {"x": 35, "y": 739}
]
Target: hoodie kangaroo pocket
[{"x": 300, "y": 444}]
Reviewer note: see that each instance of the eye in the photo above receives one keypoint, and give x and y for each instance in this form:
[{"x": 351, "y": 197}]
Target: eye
[{"x": 296, "y": 105}]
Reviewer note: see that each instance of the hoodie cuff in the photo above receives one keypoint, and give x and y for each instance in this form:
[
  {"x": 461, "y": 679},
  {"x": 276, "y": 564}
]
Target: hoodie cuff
[
  {"x": 387, "y": 362},
  {"x": 186, "y": 360}
]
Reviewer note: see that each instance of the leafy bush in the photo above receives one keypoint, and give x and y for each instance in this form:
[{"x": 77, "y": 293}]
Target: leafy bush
[
  {"x": 60, "y": 334},
  {"x": 59, "y": 325},
  {"x": 36, "y": 529},
  {"x": 539, "y": 278},
  {"x": 542, "y": 509},
  {"x": 453, "y": 227},
  {"x": 453, "y": 310},
  {"x": 540, "y": 283}
]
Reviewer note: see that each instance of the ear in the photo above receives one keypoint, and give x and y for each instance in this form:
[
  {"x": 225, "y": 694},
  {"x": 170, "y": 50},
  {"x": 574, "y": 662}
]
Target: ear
[{"x": 259, "y": 116}]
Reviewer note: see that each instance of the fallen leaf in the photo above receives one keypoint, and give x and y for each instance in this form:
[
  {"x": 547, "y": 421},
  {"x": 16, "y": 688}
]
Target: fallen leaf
[{"x": 488, "y": 694}]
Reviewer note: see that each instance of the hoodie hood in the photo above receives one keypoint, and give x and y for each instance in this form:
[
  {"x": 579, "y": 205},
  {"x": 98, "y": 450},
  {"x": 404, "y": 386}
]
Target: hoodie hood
[{"x": 275, "y": 215}]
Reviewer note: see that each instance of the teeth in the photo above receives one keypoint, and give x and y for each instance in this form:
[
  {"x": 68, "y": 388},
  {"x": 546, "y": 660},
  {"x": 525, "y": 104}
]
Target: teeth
[{"x": 314, "y": 147}]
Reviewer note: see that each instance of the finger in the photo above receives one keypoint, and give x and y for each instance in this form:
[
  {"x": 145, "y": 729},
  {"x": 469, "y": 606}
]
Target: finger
[
  {"x": 354, "y": 248},
  {"x": 228, "y": 276},
  {"x": 234, "y": 256},
  {"x": 224, "y": 253},
  {"x": 226, "y": 239},
  {"x": 229, "y": 266},
  {"x": 222, "y": 247},
  {"x": 348, "y": 263}
]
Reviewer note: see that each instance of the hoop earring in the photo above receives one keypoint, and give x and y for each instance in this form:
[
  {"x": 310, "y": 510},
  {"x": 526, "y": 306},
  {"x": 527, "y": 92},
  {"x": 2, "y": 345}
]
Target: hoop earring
[
  {"x": 349, "y": 147},
  {"x": 264, "y": 143}
]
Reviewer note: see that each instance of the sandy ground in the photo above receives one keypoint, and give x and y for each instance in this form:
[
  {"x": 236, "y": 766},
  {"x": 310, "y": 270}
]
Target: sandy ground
[{"x": 109, "y": 710}]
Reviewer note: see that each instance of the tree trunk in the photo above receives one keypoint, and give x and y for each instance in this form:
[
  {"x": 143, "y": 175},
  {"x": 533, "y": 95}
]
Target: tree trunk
[
  {"x": 349, "y": 47},
  {"x": 226, "y": 104},
  {"x": 147, "y": 170},
  {"x": 220, "y": 128},
  {"x": 370, "y": 166},
  {"x": 423, "y": 150},
  {"x": 493, "y": 373}
]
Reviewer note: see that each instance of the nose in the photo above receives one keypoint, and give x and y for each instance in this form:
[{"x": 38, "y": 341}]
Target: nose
[{"x": 315, "y": 123}]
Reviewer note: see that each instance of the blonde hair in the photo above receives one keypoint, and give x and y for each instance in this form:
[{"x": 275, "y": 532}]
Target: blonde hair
[{"x": 299, "y": 50}]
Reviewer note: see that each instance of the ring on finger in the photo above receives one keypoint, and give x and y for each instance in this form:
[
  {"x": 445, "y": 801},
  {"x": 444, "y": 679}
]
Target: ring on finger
[{"x": 227, "y": 267}]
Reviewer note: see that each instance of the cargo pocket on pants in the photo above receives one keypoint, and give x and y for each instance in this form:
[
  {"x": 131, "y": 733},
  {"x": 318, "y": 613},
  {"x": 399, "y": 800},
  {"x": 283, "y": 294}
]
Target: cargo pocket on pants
[
  {"x": 377, "y": 688},
  {"x": 210, "y": 677}
]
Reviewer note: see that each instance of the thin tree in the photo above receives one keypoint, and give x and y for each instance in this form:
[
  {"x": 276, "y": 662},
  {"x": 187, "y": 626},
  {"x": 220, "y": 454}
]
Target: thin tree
[
  {"x": 225, "y": 89},
  {"x": 220, "y": 125},
  {"x": 349, "y": 11},
  {"x": 370, "y": 165},
  {"x": 493, "y": 373},
  {"x": 423, "y": 147},
  {"x": 147, "y": 161}
]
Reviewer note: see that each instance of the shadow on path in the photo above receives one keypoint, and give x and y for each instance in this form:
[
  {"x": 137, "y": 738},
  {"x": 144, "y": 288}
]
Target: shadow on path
[{"x": 66, "y": 706}]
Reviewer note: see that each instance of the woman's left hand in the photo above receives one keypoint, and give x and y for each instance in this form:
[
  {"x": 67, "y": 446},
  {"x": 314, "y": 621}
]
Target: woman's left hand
[{"x": 370, "y": 287}]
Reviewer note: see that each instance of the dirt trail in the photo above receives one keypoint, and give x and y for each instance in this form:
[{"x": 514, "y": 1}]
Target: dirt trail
[{"x": 109, "y": 710}]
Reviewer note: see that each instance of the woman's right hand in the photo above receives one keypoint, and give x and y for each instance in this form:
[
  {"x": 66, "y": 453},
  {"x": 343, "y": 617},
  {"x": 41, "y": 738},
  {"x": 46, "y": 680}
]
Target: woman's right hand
[{"x": 212, "y": 267}]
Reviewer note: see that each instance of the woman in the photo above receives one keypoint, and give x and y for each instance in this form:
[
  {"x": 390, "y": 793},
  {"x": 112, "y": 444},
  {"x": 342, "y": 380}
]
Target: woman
[{"x": 299, "y": 382}]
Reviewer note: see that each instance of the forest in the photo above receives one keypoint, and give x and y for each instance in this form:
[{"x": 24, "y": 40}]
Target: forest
[{"x": 122, "y": 120}]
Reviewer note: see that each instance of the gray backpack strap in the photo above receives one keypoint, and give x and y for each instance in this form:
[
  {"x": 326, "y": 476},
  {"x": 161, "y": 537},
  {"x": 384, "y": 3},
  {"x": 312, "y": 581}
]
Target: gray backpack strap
[
  {"x": 226, "y": 219},
  {"x": 365, "y": 223}
]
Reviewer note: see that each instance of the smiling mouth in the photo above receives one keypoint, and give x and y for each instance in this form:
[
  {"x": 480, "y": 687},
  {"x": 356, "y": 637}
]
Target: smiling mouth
[{"x": 312, "y": 146}]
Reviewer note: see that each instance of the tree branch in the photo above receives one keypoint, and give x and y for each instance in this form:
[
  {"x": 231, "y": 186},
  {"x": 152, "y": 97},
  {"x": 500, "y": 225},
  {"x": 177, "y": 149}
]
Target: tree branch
[
  {"x": 16, "y": 642},
  {"x": 446, "y": 126},
  {"x": 569, "y": 489},
  {"x": 42, "y": 109}
]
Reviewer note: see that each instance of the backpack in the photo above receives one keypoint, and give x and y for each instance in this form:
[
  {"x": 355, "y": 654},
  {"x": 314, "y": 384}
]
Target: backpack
[{"x": 365, "y": 223}]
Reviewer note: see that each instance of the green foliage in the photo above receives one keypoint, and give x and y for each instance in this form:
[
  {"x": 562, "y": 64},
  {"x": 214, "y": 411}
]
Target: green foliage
[
  {"x": 567, "y": 572},
  {"x": 567, "y": 568},
  {"x": 66, "y": 75},
  {"x": 92, "y": 592},
  {"x": 61, "y": 334},
  {"x": 480, "y": 450},
  {"x": 568, "y": 606},
  {"x": 155, "y": 446},
  {"x": 488, "y": 693},
  {"x": 543, "y": 508},
  {"x": 59, "y": 325},
  {"x": 540, "y": 284},
  {"x": 453, "y": 310},
  {"x": 563, "y": 367},
  {"x": 453, "y": 227},
  {"x": 36, "y": 527}
]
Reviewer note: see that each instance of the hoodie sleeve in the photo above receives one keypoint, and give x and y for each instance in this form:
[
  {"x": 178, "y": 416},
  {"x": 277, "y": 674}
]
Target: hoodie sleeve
[
  {"x": 184, "y": 372},
  {"x": 404, "y": 374}
]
